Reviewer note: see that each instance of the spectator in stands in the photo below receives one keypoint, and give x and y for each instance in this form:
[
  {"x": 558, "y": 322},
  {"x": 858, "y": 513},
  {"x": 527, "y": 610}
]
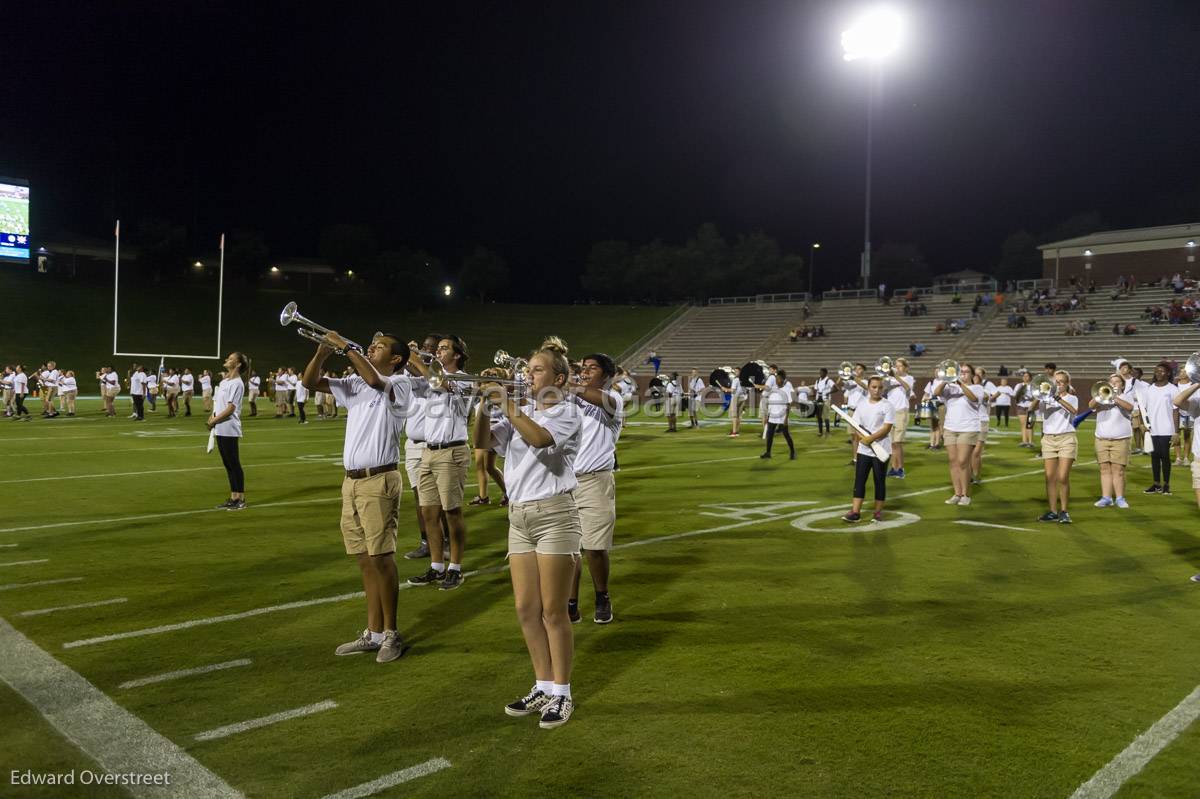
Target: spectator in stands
[
  {"x": 1002, "y": 371},
  {"x": 652, "y": 358},
  {"x": 806, "y": 311},
  {"x": 1130, "y": 329},
  {"x": 924, "y": 311},
  {"x": 1177, "y": 283},
  {"x": 1012, "y": 319},
  {"x": 916, "y": 349},
  {"x": 957, "y": 297},
  {"x": 1117, "y": 329},
  {"x": 820, "y": 331},
  {"x": 1092, "y": 327}
]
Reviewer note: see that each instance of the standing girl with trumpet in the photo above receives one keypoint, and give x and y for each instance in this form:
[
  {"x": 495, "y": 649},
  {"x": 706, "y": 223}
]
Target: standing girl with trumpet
[
  {"x": 1060, "y": 444},
  {"x": 960, "y": 430},
  {"x": 1113, "y": 403}
]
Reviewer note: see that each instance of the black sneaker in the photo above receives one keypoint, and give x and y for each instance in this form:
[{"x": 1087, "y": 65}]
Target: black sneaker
[
  {"x": 852, "y": 517},
  {"x": 603, "y": 614},
  {"x": 533, "y": 702},
  {"x": 1154, "y": 489},
  {"x": 418, "y": 553},
  {"x": 430, "y": 577},
  {"x": 765, "y": 455},
  {"x": 573, "y": 611},
  {"x": 225, "y": 505},
  {"x": 236, "y": 504},
  {"x": 1166, "y": 491},
  {"x": 1064, "y": 518},
  {"x": 454, "y": 578},
  {"x": 1048, "y": 516},
  {"x": 557, "y": 713}
]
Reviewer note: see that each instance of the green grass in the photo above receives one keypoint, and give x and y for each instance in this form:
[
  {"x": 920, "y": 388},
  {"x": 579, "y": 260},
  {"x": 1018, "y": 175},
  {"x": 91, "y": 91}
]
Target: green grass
[{"x": 929, "y": 660}]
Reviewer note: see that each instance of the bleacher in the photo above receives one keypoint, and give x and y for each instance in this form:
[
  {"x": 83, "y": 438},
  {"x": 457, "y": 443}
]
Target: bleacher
[{"x": 720, "y": 335}]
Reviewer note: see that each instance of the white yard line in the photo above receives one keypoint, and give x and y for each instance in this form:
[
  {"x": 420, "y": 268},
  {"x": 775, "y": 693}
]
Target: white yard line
[
  {"x": 265, "y": 721},
  {"x": 115, "y": 519},
  {"x": 7, "y": 546},
  {"x": 292, "y": 462},
  {"x": 392, "y": 780},
  {"x": 197, "y": 447},
  {"x": 1108, "y": 780},
  {"x": 997, "y": 526},
  {"x": 117, "y": 740},
  {"x": 44, "y": 611},
  {"x": 178, "y": 675},
  {"x": 15, "y": 586},
  {"x": 24, "y": 562}
]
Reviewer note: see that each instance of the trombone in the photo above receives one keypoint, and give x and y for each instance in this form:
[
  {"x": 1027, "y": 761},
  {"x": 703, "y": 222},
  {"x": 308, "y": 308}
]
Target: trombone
[{"x": 310, "y": 329}]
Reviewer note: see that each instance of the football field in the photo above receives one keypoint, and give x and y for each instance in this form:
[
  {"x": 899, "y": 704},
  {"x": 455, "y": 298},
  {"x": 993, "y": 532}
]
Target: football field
[{"x": 761, "y": 645}]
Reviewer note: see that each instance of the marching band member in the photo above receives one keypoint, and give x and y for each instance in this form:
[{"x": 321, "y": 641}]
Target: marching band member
[
  {"x": 414, "y": 449},
  {"x": 876, "y": 415},
  {"x": 1188, "y": 401},
  {"x": 137, "y": 392},
  {"x": 68, "y": 391},
  {"x": 673, "y": 396},
  {"x": 601, "y": 415},
  {"x": 777, "y": 403},
  {"x": 301, "y": 394},
  {"x": 292, "y": 382},
  {"x": 737, "y": 403},
  {"x": 20, "y": 389},
  {"x": 226, "y": 423},
  {"x": 1133, "y": 385},
  {"x": 255, "y": 387},
  {"x": 899, "y": 393},
  {"x": 1024, "y": 398},
  {"x": 187, "y": 386},
  {"x": 48, "y": 383},
  {"x": 6, "y": 386},
  {"x": 539, "y": 444},
  {"x": 443, "y": 471},
  {"x": 960, "y": 430},
  {"x": 485, "y": 459},
  {"x": 1060, "y": 446},
  {"x": 985, "y": 388},
  {"x": 853, "y": 394},
  {"x": 1004, "y": 398},
  {"x": 206, "y": 390},
  {"x": 1114, "y": 431},
  {"x": 331, "y": 405},
  {"x": 376, "y": 398},
  {"x": 1161, "y": 415},
  {"x": 823, "y": 387},
  {"x": 171, "y": 389},
  {"x": 1183, "y": 439},
  {"x": 282, "y": 387},
  {"x": 695, "y": 397},
  {"x": 152, "y": 390}
]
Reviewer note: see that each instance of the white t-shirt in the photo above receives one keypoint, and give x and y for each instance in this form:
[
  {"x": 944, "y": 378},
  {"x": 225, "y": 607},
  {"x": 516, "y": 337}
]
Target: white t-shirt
[
  {"x": 697, "y": 387},
  {"x": 137, "y": 384},
  {"x": 962, "y": 413},
  {"x": 281, "y": 382},
  {"x": 674, "y": 392},
  {"x": 983, "y": 412},
  {"x": 1026, "y": 395},
  {"x": 188, "y": 382},
  {"x": 1157, "y": 409},
  {"x": 151, "y": 382},
  {"x": 1004, "y": 395},
  {"x": 735, "y": 388},
  {"x": 779, "y": 401},
  {"x": 1057, "y": 419},
  {"x": 373, "y": 419},
  {"x": 205, "y": 383},
  {"x": 445, "y": 412},
  {"x": 802, "y": 394},
  {"x": 897, "y": 395},
  {"x": 255, "y": 384},
  {"x": 48, "y": 379},
  {"x": 626, "y": 387},
  {"x": 229, "y": 392},
  {"x": 1113, "y": 421},
  {"x": 67, "y": 384},
  {"x": 293, "y": 381},
  {"x": 598, "y": 434},
  {"x": 301, "y": 393},
  {"x": 824, "y": 388},
  {"x": 533, "y": 473},
  {"x": 854, "y": 394},
  {"x": 871, "y": 416},
  {"x": 111, "y": 380},
  {"x": 20, "y": 383},
  {"x": 771, "y": 382},
  {"x": 6, "y": 382},
  {"x": 171, "y": 382},
  {"x": 414, "y": 425}
]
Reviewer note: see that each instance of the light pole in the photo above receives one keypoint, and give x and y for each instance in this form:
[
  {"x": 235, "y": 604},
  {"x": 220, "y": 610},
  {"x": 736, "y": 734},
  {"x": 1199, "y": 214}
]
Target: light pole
[
  {"x": 812, "y": 263},
  {"x": 873, "y": 37}
]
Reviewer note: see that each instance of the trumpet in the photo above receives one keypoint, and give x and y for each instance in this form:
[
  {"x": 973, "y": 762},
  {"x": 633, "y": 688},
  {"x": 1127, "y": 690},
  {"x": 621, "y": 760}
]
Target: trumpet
[
  {"x": 884, "y": 366},
  {"x": 502, "y": 358},
  {"x": 1044, "y": 390},
  {"x": 310, "y": 329},
  {"x": 947, "y": 371},
  {"x": 845, "y": 370},
  {"x": 1103, "y": 393},
  {"x": 1192, "y": 367},
  {"x": 439, "y": 380}
]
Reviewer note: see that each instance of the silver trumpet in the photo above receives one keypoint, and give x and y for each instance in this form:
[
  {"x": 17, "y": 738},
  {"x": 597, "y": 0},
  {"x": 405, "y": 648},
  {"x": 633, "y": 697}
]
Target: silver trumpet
[
  {"x": 310, "y": 329},
  {"x": 502, "y": 358},
  {"x": 440, "y": 381},
  {"x": 1192, "y": 367},
  {"x": 884, "y": 366},
  {"x": 846, "y": 370},
  {"x": 947, "y": 371},
  {"x": 1044, "y": 389}
]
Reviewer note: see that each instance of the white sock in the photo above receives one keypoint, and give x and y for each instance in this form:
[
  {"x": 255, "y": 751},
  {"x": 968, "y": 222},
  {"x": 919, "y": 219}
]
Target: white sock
[
  {"x": 376, "y": 638},
  {"x": 455, "y": 567},
  {"x": 561, "y": 690},
  {"x": 545, "y": 686},
  {"x": 437, "y": 566}
]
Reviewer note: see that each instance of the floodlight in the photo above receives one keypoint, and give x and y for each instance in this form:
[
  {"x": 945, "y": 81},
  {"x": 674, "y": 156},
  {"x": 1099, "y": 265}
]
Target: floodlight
[
  {"x": 874, "y": 35},
  {"x": 446, "y": 289}
]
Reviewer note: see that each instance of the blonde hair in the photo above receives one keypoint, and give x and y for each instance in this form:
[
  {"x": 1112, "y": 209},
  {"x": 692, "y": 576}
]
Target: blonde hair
[
  {"x": 556, "y": 344},
  {"x": 903, "y": 361},
  {"x": 1064, "y": 373},
  {"x": 558, "y": 362}
]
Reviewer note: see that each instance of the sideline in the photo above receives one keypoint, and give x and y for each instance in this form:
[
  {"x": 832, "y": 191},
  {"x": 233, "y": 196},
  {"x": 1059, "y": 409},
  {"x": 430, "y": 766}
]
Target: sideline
[{"x": 392, "y": 780}]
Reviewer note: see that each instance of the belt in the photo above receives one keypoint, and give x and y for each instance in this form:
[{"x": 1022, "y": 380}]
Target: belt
[
  {"x": 358, "y": 474},
  {"x": 415, "y": 441},
  {"x": 447, "y": 445},
  {"x": 594, "y": 471}
]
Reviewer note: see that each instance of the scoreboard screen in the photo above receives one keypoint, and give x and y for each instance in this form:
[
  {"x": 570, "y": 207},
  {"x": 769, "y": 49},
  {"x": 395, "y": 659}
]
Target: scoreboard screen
[{"x": 14, "y": 220}]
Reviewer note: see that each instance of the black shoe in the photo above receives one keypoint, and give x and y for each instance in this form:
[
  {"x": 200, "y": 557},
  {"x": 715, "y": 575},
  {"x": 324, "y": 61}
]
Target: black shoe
[
  {"x": 1166, "y": 490},
  {"x": 533, "y": 702},
  {"x": 1154, "y": 489},
  {"x": 236, "y": 504},
  {"x": 1048, "y": 516},
  {"x": 573, "y": 611},
  {"x": 603, "y": 614},
  {"x": 792, "y": 456},
  {"x": 418, "y": 553},
  {"x": 430, "y": 577},
  {"x": 454, "y": 578},
  {"x": 225, "y": 505},
  {"x": 765, "y": 455}
]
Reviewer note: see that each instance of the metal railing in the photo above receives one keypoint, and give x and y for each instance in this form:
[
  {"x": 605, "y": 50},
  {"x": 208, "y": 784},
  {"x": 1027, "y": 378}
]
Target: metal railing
[
  {"x": 761, "y": 299},
  {"x": 966, "y": 288},
  {"x": 1040, "y": 283},
  {"x": 747, "y": 300},
  {"x": 850, "y": 294},
  {"x": 634, "y": 349},
  {"x": 917, "y": 291}
]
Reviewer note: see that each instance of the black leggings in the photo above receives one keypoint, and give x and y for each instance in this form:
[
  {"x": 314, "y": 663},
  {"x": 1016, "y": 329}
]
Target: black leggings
[
  {"x": 139, "y": 406},
  {"x": 1002, "y": 411},
  {"x": 228, "y": 447},
  {"x": 300, "y": 406},
  {"x": 779, "y": 427},
  {"x": 1160, "y": 459},
  {"x": 21, "y": 409},
  {"x": 869, "y": 464},
  {"x": 822, "y": 420}
]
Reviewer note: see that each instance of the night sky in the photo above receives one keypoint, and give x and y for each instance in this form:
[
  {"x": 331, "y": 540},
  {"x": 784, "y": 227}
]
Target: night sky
[{"x": 538, "y": 129}]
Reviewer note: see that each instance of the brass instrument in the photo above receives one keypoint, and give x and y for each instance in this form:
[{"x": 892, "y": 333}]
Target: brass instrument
[
  {"x": 439, "y": 380},
  {"x": 1192, "y": 367},
  {"x": 1044, "y": 389},
  {"x": 502, "y": 358},
  {"x": 1103, "y": 393},
  {"x": 884, "y": 366},
  {"x": 310, "y": 329},
  {"x": 846, "y": 370},
  {"x": 947, "y": 371}
]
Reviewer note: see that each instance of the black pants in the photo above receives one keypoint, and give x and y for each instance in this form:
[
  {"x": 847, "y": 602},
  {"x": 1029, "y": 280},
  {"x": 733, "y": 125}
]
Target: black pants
[
  {"x": 302, "y": 416},
  {"x": 21, "y": 409},
  {"x": 1002, "y": 412},
  {"x": 822, "y": 422},
  {"x": 869, "y": 464},
  {"x": 228, "y": 447},
  {"x": 139, "y": 406},
  {"x": 779, "y": 427},
  {"x": 1160, "y": 459}
]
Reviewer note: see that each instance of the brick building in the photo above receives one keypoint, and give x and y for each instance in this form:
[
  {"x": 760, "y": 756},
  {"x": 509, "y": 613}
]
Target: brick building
[{"x": 1147, "y": 253}]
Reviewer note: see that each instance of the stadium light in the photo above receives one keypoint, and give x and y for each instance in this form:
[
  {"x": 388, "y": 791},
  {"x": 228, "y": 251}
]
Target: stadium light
[
  {"x": 349, "y": 273},
  {"x": 446, "y": 289},
  {"x": 198, "y": 265},
  {"x": 1192, "y": 243},
  {"x": 812, "y": 260},
  {"x": 873, "y": 37},
  {"x": 274, "y": 270},
  {"x": 1087, "y": 252}
]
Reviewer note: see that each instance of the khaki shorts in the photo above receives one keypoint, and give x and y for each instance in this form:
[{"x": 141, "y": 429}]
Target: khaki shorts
[
  {"x": 1196, "y": 475},
  {"x": 983, "y": 431},
  {"x": 900, "y": 427},
  {"x": 1113, "y": 450},
  {"x": 207, "y": 393},
  {"x": 254, "y": 392},
  {"x": 941, "y": 413},
  {"x": 442, "y": 476},
  {"x": 412, "y": 462},
  {"x": 953, "y": 439},
  {"x": 596, "y": 498},
  {"x": 547, "y": 526},
  {"x": 369, "y": 509},
  {"x": 1060, "y": 445}
]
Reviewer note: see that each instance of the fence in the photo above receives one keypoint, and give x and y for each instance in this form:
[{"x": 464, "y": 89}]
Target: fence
[
  {"x": 966, "y": 288},
  {"x": 851, "y": 294},
  {"x": 761, "y": 299}
]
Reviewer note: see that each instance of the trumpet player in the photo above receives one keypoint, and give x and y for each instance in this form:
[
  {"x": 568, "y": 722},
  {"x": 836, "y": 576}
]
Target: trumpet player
[
  {"x": 1060, "y": 444},
  {"x": 899, "y": 393},
  {"x": 1023, "y": 395},
  {"x": 414, "y": 449},
  {"x": 960, "y": 430},
  {"x": 854, "y": 391},
  {"x": 1114, "y": 431}
]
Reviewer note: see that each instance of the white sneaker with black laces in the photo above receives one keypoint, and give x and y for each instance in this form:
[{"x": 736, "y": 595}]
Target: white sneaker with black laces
[
  {"x": 533, "y": 702},
  {"x": 361, "y": 644},
  {"x": 557, "y": 713}
]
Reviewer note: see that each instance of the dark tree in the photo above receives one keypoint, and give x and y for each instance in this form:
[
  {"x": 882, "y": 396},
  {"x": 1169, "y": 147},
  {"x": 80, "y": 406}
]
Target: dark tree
[{"x": 484, "y": 274}]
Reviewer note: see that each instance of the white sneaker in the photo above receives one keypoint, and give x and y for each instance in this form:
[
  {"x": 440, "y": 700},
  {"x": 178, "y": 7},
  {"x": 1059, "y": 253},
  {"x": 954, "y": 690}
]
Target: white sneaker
[
  {"x": 361, "y": 644},
  {"x": 964, "y": 501},
  {"x": 391, "y": 648},
  {"x": 954, "y": 500}
]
